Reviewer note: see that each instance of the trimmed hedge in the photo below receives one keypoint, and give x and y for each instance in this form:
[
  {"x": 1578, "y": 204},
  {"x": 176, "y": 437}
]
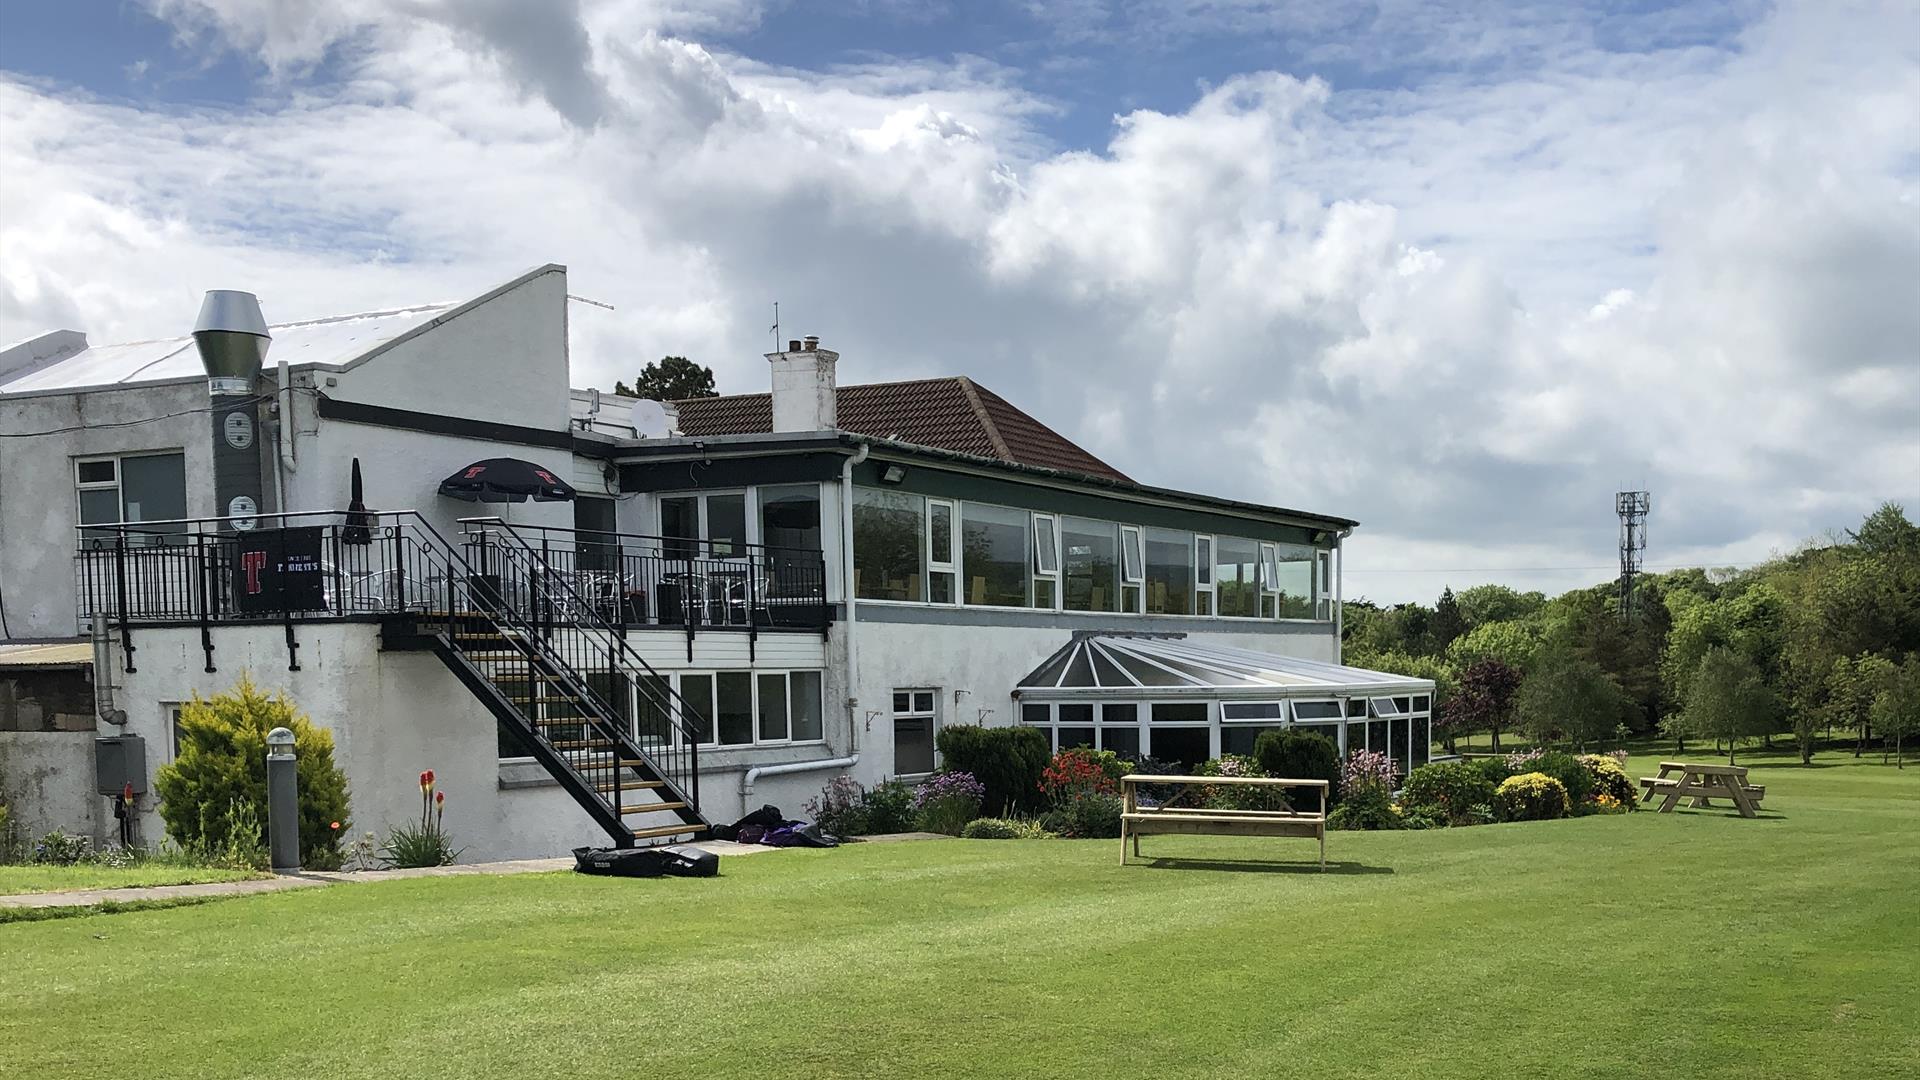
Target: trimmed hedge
[
  {"x": 1530, "y": 797},
  {"x": 1449, "y": 789},
  {"x": 1008, "y": 761},
  {"x": 1300, "y": 755}
]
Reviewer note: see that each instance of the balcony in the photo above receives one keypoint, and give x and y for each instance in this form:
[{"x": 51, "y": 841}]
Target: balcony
[{"x": 307, "y": 567}]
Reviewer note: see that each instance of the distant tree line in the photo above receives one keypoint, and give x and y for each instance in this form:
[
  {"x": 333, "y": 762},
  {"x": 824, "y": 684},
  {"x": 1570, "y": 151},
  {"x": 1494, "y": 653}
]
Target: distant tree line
[{"x": 1806, "y": 646}]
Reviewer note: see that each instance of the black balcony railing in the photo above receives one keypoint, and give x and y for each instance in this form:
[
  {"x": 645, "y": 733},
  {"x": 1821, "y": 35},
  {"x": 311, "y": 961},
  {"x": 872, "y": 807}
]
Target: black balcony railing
[{"x": 204, "y": 571}]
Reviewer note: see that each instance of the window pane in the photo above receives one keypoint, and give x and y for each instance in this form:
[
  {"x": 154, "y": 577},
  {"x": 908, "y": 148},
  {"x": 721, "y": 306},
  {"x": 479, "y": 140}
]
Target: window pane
[
  {"x": 1316, "y": 710},
  {"x": 1043, "y": 593},
  {"x": 1046, "y": 549},
  {"x": 1250, "y": 710},
  {"x": 888, "y": 545},
  {"x": 900, "y": 702},
  {"x": 772, "y": 707},
  {"x": 1124, "y": 741},
  {"x": 733, "y": 711},
  {"x": 1356, "y": 737},
  {"x": 923, "y": 702},
  {"x": 807, "y": 706},
  {"x": 1169, "y": 572},
  {"x": 154, "y": 488},
  {"x": 727, "y": 525},
  {"x": 1071, "y": 737},
  {"x": 680, "y": 520},
  {"x": 95, "y": 472},
  {"x": 1237, "y": 576},
  {"x": 790, "y": 517},
  {"x": 1089, "y": 567},
  {"x": 1187, "y": 746},
  {"x": 1130, "y": 555},
  {"x": 99, "y": 505},
  {"x": 696, "y": 692},
  {"x": 1120, "y": 714},
  {"x": 652, "y": 726},
  {"x": 939, "y": 587},
  {"x": 1184, "y": 712},
  {"x": 1205, "y": 546},
  {"x": 1294, "y": 581},
  {"x": 1076, "y": 714},
  {"x": 595, "y": 545},
  {"x": 996, "y": 554},
  {"x": 1034, "y": 714},
  {"x": 940, "y": 533},
  {"x": 1239, "y": 738}
]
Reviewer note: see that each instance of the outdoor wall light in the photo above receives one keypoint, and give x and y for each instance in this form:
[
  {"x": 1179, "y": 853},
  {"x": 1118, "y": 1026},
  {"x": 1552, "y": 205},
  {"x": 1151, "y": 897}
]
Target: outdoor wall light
[{"x": 894, "y": 474}]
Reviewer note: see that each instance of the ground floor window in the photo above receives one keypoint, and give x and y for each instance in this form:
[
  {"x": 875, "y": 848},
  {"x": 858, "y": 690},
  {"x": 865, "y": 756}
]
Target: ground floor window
[
  {"x": 723, "y": 708},
  {"x": 913, "y": 731}
]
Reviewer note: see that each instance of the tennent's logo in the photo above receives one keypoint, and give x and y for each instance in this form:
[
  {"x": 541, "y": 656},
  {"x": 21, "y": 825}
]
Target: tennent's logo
[
  {"x": 253, "y": 562},
  {"x": 547, "y": 476},
  {"x": 473, "y": 471}
]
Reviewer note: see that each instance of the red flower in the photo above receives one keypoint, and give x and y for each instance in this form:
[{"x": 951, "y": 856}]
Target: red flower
[
  {"x": 441, "y": 798},
  {"x": 335, "y": 826}
]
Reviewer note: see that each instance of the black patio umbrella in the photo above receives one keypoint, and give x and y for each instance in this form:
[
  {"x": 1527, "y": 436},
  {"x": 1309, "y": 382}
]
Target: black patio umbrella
[
  {"x": 359, "y": 529},
  {"x": 506, "y": 480}
]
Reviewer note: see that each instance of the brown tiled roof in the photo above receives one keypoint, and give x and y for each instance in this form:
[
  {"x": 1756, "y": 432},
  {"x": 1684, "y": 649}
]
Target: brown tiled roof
[{"x": 953, "y": 413}]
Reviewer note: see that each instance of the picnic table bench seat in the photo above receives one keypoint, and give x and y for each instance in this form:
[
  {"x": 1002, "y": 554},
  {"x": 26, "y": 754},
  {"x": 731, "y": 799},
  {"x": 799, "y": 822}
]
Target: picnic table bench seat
[
  {"x": 1137, "y": 820},
  {"x": 1701, "y": 783}
]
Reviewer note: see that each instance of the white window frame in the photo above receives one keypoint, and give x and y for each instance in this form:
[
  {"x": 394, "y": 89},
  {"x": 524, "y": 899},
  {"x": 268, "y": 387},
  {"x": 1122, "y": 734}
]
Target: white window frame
[
  {"x": 931, "y": 714},
  {"x": 1203, "y": 573},
  {"x": 1269, "y": 578},
  {"x": 1323, "y": 585},
  {"x": 951, "y": 567},
  {"x": 1043, "y": 554},
  {"x": 754, "y": 674},
  {"x": 1133, "y": 546},
  {"x": 116, "y": 485},
  {"x": 700, "y": 497}
]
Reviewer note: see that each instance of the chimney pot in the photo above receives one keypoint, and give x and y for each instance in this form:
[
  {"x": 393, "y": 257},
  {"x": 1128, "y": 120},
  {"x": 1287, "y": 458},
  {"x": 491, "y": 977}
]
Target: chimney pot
[
  {"x": 810, "y": 343},
  {"x": 793, "y": 345}
]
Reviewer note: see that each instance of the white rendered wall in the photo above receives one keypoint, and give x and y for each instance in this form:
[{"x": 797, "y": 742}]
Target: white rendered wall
[
  {"x": 49, "y": 784},
  {"x": 392, "y": 714}
]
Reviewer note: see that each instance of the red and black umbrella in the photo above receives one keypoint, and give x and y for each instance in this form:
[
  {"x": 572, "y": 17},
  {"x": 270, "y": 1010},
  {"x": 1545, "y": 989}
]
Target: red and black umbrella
[{"x": 506, "y": 480}]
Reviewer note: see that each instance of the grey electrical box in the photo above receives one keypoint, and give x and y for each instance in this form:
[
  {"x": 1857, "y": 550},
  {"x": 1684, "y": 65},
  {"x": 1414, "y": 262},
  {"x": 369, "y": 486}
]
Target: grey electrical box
[{"x": 119, "y": 760}]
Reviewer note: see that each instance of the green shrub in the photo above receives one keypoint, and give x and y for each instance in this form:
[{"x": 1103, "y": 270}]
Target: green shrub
[
  {"x": 1370, "y": 809},
  {"x": 1496, "y": 769},
  {"x": 1530, "y": 797},
  {"x": 1242, "y": 796},
  {"x": 241, "y": 843},
  {"x": 223, "y": 759},
  {"x": 1300, "y": 755},
  {"x": 1572, "y": 775},
  {"x": 1092, "y": 816},
  {"x": 1007, "y": 760},
  {"x": 889, "y": 808},
  {"x": 9, "y": 843},
  {"x": 1609, "y": 779},
  {"x": 1424, "y": 818},
  {"x": 59, "y": 849},
  {"x": 1447, "y": 790},
  {"x": 1004, "y": 829}
]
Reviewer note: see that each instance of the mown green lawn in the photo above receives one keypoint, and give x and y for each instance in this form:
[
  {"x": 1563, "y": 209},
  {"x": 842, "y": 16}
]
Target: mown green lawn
[
  {"x": 37, "y": 879},
  {"x": 1689, "y": 945}
]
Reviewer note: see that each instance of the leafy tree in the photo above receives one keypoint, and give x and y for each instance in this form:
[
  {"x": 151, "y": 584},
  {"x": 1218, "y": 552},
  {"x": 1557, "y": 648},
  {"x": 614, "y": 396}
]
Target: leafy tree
[
  {"x": 1447, "y": 624},
  {"x": 1856, "y": 683},
  {"x": 223, "y": 760},
  {"x": 1728, "y": 699},
  {"x": 1566, "y": 697},
  {"x": 1484, "y": 701},
  {"x": 1887, "y": 531},
  {"x": 1896, "y": 708},
  {"x": 1483, "y": 604},
  {"x": 1512, "y": 642},
  {"x": 674, "y": 378}
]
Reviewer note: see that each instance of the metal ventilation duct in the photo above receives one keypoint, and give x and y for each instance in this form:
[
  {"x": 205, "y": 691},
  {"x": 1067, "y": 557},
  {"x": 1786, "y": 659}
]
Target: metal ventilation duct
[{"x": 232, "y": 338}]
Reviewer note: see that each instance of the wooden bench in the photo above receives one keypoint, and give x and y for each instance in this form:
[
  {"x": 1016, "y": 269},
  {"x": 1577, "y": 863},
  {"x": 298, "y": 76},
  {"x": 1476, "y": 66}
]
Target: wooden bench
[
  {"x": 1702, "y": 783},
  {"x": 1137, "y": 820}
]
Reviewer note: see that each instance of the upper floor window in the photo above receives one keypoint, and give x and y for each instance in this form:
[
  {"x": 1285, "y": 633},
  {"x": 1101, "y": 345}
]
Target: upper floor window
[
  {"x": 1090, "y": 564},
  {"x": 996, "y": 549},
  {"x": 889, "y": 545},
  {"x": 133, "y": 487},
  {"x": 790, "y": 516}
]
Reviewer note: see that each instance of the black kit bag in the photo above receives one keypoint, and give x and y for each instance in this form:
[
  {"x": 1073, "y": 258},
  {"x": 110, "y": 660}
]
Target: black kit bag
[{"x": 650, "y": 862}]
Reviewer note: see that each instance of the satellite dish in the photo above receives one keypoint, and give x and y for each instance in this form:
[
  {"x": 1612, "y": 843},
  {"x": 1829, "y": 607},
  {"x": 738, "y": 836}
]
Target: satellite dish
[{"x": 649, "y": 420}]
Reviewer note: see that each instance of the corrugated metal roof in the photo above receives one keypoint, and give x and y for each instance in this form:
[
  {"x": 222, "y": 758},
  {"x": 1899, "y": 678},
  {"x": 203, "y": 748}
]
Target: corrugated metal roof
[
  {"x": 50, "y": 654},
  {"x": 953, "y": 413},
  {"x": 1150, "y": 665},
  {"x": 335, "y": 340}
]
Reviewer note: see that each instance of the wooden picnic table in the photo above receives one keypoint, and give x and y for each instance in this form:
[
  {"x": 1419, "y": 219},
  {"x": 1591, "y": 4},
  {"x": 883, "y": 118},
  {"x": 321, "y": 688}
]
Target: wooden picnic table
[
  {"x": 1701, "y": 783},
  {"x": 1137, "y": 820}
]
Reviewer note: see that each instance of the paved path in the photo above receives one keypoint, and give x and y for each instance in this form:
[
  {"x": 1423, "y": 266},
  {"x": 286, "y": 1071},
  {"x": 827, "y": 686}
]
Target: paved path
[{"x": 317, "y": 878}]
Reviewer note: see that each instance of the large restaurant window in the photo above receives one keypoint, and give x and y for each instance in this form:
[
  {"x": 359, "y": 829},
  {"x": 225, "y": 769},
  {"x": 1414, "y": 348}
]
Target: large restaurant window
[
  {"x": 734, "y": 708},
  {"x": 1089, "y": 565},
  {"x": 705, "y": 525},
  {"x": 1236, "y": 578},
  {"x": 1169, "y": 572},
  {"x": 889, "y": 545},
  {"x": 1293, "y": 581},
  {"x": 145, "y": 487},
  {"x": 995, "y": 554},
  {"x": 596, "y": 541},
  {"x": 790, "y": 516}
]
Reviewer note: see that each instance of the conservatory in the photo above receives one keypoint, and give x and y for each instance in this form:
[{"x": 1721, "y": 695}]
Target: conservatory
[{"x": 1161, "y": 696}]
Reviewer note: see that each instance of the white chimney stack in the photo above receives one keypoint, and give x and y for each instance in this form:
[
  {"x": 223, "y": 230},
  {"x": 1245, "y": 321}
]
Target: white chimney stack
[{"x": 803, "y": 386}]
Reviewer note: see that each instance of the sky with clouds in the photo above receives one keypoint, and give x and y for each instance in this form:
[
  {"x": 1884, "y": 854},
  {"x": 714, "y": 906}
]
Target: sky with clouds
[{"x": 1458, "y": 270}]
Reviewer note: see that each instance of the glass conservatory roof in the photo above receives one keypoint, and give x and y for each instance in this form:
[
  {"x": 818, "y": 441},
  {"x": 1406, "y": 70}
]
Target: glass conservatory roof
[{"x": 1107, "y": 664}]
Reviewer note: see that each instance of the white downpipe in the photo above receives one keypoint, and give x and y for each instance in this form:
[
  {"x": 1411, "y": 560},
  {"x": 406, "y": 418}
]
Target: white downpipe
[
  {"x": 846, "y": 592},
  {"x": 747, "y": 778},
  {"x": 286, "y": 417}
]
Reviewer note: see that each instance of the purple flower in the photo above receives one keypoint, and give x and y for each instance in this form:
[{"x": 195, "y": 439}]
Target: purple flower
[{"x": 948, "y": 785}]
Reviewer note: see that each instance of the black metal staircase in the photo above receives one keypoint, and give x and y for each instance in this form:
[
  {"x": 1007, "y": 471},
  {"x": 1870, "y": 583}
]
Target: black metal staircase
[{"x": 565, "y": 684}]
